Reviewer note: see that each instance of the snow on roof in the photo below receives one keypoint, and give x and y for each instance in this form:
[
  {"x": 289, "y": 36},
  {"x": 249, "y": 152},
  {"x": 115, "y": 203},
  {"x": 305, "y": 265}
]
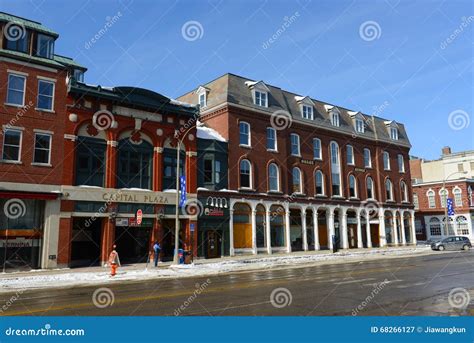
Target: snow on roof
[
  {"x": 251, "y": 83},
  {"x": 328, "y": 107},
  {"x": 180, "y": 103},
  {"x": 204, "y": 132}
]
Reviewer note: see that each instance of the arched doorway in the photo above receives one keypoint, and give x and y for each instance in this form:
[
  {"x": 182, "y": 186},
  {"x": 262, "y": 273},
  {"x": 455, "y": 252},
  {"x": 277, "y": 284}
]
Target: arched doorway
[
  {"x": 242, "y": 224},
  {"x": 277, "y": 228}
]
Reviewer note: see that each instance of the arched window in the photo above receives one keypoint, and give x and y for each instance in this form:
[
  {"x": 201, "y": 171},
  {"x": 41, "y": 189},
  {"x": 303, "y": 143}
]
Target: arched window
[
  {"x": 317, "y": 149},
  {"x": 386, "y": 160},
  {"x": 245, "y": 174},
  {"x": 335, "y": 120},
  {"x": 431, "y": 199},
  {"x": 404, "y": 191},
  {"x": 352, "y": 186},
  {"x": 295, "y": 144},
  {"x": 271, "y": 139},
  {"x": 370, "y": 188},
  {"x": 457, "y": 196},
  {"x": 443, "y": 197},
  {"x": 435, "y": 227},
  {"x": 134, "y": 164},
  {"x": 350, "y": 154},
  {"x": 401, "y": 164},
  {"x": 367, "y": 158},
  {"x": 335, "y": 169},
  {"x": 244, "y": 130},
  {"x": 388, "y": 190},
  {"x": 319, "y": 182},
  {"x": 296, "y": 180},
  {"x": 462, "y": 226},
  {"x": 273, "y": 178}
]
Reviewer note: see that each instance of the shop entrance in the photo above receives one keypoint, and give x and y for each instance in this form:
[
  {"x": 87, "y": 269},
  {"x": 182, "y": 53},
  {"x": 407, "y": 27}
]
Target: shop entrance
[
  {"x": 85, "y": 245},
  {"x": 213, "y": 244},
  {"x": 133, "y": 243},
  {"x": 167, "y": 242}
]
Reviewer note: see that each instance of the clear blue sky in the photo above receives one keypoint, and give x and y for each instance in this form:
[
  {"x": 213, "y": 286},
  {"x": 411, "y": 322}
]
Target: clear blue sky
[{"x": 407, "y": 71}]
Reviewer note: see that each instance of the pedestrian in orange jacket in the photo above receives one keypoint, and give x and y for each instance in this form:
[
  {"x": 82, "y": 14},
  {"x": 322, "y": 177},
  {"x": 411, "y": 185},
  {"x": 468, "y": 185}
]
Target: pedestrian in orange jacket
[{"x": 114, "y": 261}]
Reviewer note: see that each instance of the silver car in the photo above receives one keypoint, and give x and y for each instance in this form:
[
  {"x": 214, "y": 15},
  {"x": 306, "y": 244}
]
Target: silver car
[{"x": 452, "y": 243}]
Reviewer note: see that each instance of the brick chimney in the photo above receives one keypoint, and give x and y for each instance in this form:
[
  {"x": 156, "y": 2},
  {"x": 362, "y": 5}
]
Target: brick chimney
[{"x": 446, "y": 151}]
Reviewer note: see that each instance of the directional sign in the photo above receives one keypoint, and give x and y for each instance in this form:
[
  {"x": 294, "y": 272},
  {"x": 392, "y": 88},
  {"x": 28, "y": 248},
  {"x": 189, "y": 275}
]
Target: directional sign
[{"x": 139, "y": 216}]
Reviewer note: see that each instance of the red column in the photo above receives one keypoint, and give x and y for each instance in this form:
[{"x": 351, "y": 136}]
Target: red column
[
  {"x": 158, "y": 169},
  {"x": 107, "y": 239},
  {"x": 191, "y": 174},
  {"x": 111, "y": 165},
  {"x": 64, "y": 242}
]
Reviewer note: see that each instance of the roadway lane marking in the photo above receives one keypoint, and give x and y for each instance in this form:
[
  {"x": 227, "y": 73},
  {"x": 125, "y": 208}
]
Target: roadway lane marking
[{"x": 353, "y": 281}]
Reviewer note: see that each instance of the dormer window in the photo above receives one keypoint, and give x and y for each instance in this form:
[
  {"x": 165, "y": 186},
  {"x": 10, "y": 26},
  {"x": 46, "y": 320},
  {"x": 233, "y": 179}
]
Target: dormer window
[
  {"x": 307, "y": 112},
  {"x": 78, "y": 75},
  {"x": 335, "y": 120},
  {"x": 17, "y": 43},
  {"x": 45, "y": 46},
  {"x": 261, "y": 98},
  {"x": 394, "y": 133},
  {"x": 360, "y": 127},
  {"x": 202, "y": 99}
]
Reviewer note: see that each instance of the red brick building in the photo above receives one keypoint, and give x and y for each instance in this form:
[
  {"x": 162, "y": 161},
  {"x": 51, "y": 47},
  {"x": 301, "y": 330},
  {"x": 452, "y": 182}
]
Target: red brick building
[{"x": 302, "y": 171}]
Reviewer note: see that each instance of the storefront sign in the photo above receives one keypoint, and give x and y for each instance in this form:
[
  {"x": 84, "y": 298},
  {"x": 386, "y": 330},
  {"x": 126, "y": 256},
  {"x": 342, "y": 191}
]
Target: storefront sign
[
  {"x": 214, "y": 212},
  {"x": 121, "y": 222},
  {"x": 19, "y": 242},
  {"x": 139, "y": 216}
]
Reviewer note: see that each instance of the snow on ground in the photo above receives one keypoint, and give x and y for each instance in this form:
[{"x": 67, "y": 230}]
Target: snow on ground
[{"x": 61, "y": 278}]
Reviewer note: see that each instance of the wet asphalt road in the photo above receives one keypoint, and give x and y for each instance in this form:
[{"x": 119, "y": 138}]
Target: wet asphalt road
[{"x": 414, "y": 286}]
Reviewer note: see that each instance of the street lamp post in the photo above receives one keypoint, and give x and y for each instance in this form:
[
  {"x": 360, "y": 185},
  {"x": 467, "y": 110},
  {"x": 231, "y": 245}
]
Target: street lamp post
[
  {"x": 446, "y": 222},
  {"x": 176, "y": 224}
]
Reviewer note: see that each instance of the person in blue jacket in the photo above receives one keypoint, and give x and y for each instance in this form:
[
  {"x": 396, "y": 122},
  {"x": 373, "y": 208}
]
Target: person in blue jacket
[{"x": 156, "y": 249}]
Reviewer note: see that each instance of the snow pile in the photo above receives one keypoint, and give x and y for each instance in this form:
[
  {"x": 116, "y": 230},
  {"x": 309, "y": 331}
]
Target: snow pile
[
  {"x": 69, "y": 278},
  {"x": 204, "y": 132}
]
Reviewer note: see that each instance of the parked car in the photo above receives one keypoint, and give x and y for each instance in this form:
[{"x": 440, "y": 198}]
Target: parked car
[{"x": 452, "y": 243}]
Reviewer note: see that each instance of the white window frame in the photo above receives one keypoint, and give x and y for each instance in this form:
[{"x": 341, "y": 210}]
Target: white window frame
[
  {"x": 202, "y": 94},
  {"x": 335, "y": 119},
  {"x": 292, "y": 135},
  {"x": 394, "y": 133},
  {"x": 404, "y": 191},
  {"x": 367, "y": 165},
  {"x": 444, "y": 202},
  {"x": 307, "y": 112},
  {"x": 20, "y": 148},
  {"x": 430, "y": 194},
  {"x": 258, "y": 98},
  {"x": 323, "y": 190},
  {"x": 350, "y": 148},
  {"x": 351, "y": 176},
  {"x": 401, "y": 163},
  {"x": 275, "y": 146},
  {"x": 300, "y": 191},
  {"x": 250, "y": 174},
  {"x": 416, "y": 202},
  {"x": 390, "y": 198},
  {"x": 277, "y": 177},
  {"x": 336, "y": 167},
  {"x": 49, "y": 149},
  {"x": 359, "y": 125},
  {"x": 50, "y": 47},
  {"x": 8, "y": 89},
  {"x": 386, "y": 160},
  {"x": 249, "y": 134},
  {"x": 52, "y": 97},
  {"x": 457, "y": 194},
  {"x": 320, "y": 157},
  {"x": 369, "y": 178}
]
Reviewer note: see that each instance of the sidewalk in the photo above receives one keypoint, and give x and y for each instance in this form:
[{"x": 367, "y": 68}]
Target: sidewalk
[{"x": 15, "y": 281}]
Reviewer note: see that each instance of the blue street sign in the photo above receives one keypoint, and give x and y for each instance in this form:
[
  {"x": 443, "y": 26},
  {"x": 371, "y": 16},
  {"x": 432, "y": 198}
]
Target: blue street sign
[
  {"x": 182, "y": 182},
  {"x": 191, "y": 227},
  {"x": 450, "y": 206}
]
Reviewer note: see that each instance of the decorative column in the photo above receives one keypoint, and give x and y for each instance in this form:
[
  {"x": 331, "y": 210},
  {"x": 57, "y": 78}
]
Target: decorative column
[
  {"x": 111, "y": 165},
  {"x": 287, "y": 228},
  {"x": 360, "y": 243},
  {"x": 303, "y": 228},
  {"x": 254, "y": 231},
  {"x": 412, "y": 227},
  {"x": 345, "y": 238},
  {"x": 158, "y": 169},
  {"x": 316, "y": 229},
  {"x": 330, "y": 226},
  {"x": 402, "y": 228},
  {"x": 382, "y": 233},
  {"x": 231, "y": 232},
  {"x": 267, "y": 230},
  {"x": 395, "y": 227},
  {"x": 367, "y": 229}
]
